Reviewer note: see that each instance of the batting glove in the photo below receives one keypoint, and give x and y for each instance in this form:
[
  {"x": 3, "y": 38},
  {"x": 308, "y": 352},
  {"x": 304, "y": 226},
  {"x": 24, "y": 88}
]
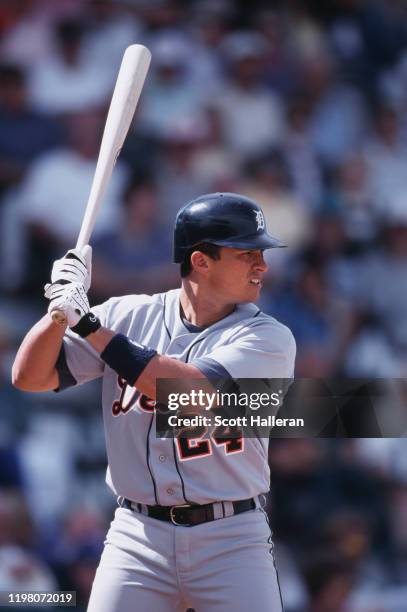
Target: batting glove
[
  {"x": 70, "y": 299},
  {"x": 74, "y": 267}
]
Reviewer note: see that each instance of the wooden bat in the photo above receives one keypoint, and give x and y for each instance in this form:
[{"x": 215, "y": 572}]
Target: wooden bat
[{"x": 130, "y": 81}]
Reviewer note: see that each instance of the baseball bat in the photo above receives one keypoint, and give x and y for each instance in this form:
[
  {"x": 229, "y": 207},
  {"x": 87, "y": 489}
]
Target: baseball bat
[{"x": 130, "y": 81}]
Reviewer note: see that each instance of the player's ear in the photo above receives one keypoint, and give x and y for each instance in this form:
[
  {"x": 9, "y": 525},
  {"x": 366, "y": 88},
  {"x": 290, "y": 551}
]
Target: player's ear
[{"x": 199, "y": 262}]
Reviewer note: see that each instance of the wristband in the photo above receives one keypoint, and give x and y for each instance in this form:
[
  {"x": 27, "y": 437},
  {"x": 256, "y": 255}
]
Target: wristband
[
  {"x": 127, "y": 358},
  {"x": 87, "y": 325}
]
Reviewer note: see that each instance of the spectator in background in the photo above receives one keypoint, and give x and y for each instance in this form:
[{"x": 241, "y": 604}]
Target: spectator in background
[
  {"x": 67, "y": 81},
  {"x": 368, "y": 38},
  {"x": 134, "y": 258},
  {"x": 180, "y": 177},
  {"x": 398, "y": 526},
  {"x": 207, "y": 26},
  {"x": 49, "y": 485},
  {"x": 331, "y": 249},
  {"x": 380, "y": 348},
  {"x": 318, "y": 501},
  {"x": 393, "y": 86},
  {"x": 75, "y": 551},
  {"x": 217, "y": 166},
  {"x": 162, "y": 15},
  {"x": 26, "y": 31},
  {"x": 250, "y": 114},
  {"x": 337, "y": 121},
  {"x": 24, "y": 135},
  {"x": 352, "y": 197},
  {"x": 386, "y": 157},
  {"x": 301, "y": 159},
  {"x": 24, "y": 132},
  {"x": 385, "y": 458},
  {"x": 329, "y": 581},
  {"x": 348, "y": 534},
  {"x": 305, "y": 36},
  {"x": 15, "y": 413},
  {"x": 10, "y": 471},
  {"x": 20, "y": 568},
  {"x": 16, "y": 526},
  {"x": 169, "y": 95},
  {"x": 321, "y": 323},
  {"x": 275, "y": 28},
  {"x": 53, "y": 196},
  {"x": 349, "y": 538},
  {"x": 111, "y": 26}
]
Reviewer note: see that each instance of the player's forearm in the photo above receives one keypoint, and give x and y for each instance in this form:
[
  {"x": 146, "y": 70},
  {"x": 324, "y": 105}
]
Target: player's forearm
[
  {"x": 158, "y": 367},
  {"x": 100, "y": 339},
  {"x": 162, "y": 367},
  {"x": 34, "y": 365}
]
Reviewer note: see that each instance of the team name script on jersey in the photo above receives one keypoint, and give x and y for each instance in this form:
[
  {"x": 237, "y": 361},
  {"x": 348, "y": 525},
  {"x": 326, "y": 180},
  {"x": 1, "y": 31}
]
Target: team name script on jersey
[{"x": 129, "y": 398}]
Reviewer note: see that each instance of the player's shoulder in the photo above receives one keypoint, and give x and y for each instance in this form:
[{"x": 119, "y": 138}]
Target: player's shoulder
[
  {"x": 267, "y": 329},
  {"x": 129, "y": 303},
  {"x": 274, "y": 328},
  {"x": 118, "y": 308}
]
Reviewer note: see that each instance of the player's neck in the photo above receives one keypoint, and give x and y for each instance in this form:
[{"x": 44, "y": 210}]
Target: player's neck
[{"x": 199, "y": 307}]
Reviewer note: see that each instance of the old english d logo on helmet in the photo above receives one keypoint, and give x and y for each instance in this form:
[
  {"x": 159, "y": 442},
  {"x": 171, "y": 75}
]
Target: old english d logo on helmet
[
  {"x": 261, "y": 224},
  {"x": 225, "y": 219}
]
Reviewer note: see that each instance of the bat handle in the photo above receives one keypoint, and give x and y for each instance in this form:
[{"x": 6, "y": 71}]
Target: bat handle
[{"x": 58, "y": 317}]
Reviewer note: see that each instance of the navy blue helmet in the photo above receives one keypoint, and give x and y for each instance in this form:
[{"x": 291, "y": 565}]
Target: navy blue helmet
[{"x": 225, "y": 219}]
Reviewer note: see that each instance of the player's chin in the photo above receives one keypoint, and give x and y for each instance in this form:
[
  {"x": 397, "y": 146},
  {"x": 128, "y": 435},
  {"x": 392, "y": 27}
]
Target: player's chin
[{"x": 252, "y": 292}]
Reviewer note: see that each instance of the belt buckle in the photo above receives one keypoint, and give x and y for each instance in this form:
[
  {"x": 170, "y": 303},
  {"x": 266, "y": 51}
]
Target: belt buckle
[{"x": 172, "y": 510}]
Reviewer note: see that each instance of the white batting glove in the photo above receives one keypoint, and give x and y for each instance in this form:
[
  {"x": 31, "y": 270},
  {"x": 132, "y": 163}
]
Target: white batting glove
[
  {"x": 71, "y": 299},
  {"x": 74, "y": 267}
]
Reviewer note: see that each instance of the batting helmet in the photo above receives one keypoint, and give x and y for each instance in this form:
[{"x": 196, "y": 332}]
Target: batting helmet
[{"x": 225, "y": 219}]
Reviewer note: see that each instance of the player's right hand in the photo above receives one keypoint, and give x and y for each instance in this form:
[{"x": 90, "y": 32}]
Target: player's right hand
[
  {"x": 74, "y": 267},
  {"x": 70, "y": 299}
]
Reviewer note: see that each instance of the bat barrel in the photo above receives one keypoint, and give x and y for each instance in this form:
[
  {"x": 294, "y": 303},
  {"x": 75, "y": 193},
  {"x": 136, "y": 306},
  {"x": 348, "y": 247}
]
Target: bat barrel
[{"x": 130, "y": 81}]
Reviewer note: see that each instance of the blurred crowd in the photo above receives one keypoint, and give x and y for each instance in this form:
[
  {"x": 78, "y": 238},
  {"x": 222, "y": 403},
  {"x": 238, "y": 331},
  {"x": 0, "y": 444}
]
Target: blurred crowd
[{"x": 299, "y": 104}]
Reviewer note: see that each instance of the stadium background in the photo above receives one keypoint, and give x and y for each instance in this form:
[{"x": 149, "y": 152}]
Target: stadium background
[{"x": 298, "y": 104}]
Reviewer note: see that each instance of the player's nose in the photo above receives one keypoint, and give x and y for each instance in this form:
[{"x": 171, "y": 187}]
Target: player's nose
[{"x": 260, "y": 264}]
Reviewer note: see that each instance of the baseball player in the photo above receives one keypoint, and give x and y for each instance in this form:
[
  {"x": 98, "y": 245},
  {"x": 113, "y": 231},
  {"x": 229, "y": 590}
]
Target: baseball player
[{"x": 189, "y": 529}]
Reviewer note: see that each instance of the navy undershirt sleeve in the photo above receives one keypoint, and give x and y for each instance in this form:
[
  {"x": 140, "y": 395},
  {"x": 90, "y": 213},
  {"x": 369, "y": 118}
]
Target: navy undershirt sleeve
[
  {"x": 212, "y": 370},
  {"x": 66, "y": 378},
  {"x": 220, "y": 378}
]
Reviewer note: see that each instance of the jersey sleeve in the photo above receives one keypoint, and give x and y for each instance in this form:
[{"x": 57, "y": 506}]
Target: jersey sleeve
[
  {"x": 264, "y": 351},
  {"x": 78, "y": 362}
]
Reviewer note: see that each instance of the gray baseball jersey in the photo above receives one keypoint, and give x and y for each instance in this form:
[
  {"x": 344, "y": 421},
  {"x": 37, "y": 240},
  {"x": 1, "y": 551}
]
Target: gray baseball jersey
[{"x": 167, "y": 472}]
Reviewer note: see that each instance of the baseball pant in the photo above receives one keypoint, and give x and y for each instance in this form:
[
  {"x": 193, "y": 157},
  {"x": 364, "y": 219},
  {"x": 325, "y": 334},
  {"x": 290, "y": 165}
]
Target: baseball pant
[{"x": 225, "y": 565}]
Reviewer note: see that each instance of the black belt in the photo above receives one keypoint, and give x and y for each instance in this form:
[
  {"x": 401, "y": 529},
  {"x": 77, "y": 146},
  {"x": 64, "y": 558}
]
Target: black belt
[{"x": 190, "y": 514}]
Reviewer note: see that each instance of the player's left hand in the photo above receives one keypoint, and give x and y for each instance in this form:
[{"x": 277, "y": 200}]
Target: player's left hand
[
  {"x": 71, "y": 299},
  {"x": 74, "y": 267}
]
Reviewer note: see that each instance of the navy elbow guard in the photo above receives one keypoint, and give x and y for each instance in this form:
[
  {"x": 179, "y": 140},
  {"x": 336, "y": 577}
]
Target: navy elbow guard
[{"x": 127, "y": 358}]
